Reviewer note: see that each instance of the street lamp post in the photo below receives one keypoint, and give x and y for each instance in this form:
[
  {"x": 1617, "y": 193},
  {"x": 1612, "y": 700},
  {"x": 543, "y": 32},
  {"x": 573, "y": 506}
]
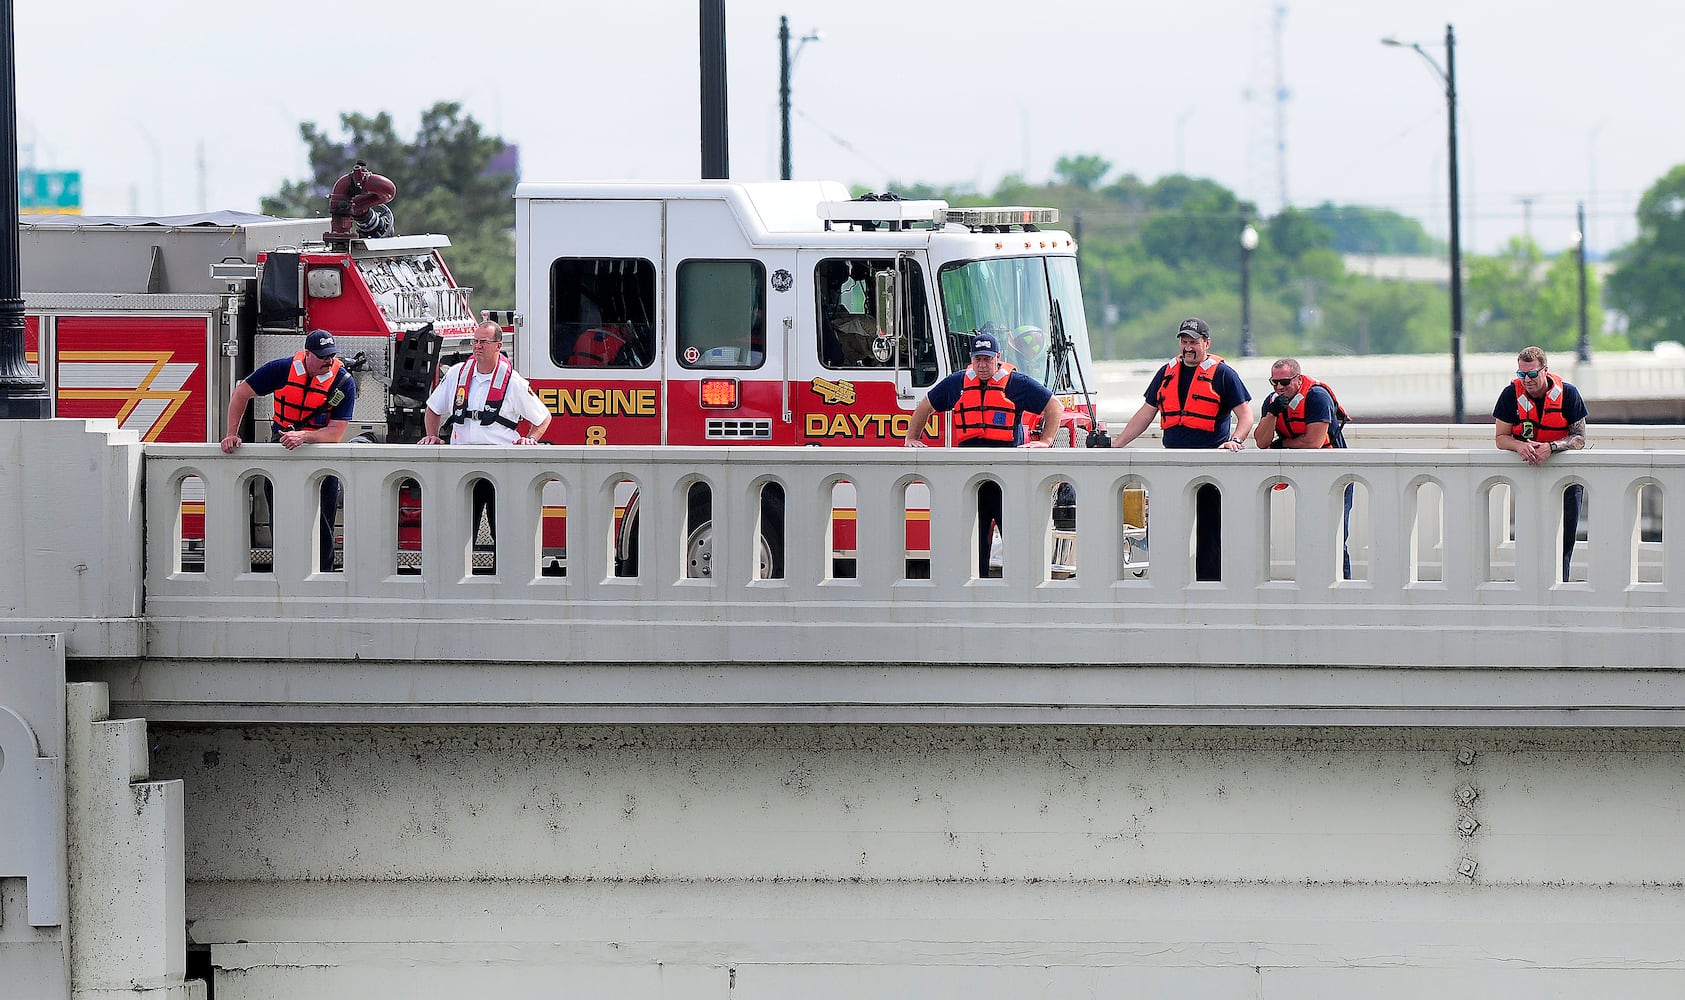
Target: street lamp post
[
  {"x": 1583, "y": 349},
  {"x": 787, "y": 65},
  {"x": 23, "y": 392},
  {"x": 1448, "y": 76},
  {"x": 1248, "y": 243}
]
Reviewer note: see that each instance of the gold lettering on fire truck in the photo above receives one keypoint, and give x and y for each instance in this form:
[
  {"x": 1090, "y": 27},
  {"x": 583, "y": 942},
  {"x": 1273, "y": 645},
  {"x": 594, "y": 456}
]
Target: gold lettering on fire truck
[
  {"x": 598, "y": 402},
  {"x": 863, "y": 425},
  {"x": 840, "y": 392}
]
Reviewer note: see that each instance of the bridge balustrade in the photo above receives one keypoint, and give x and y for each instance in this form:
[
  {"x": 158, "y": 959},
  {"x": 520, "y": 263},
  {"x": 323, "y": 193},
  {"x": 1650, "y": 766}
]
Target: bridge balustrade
[{"x": 1441, "y": 580}]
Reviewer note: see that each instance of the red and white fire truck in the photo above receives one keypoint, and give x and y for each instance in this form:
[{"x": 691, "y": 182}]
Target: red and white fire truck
[{"x": 776, "y": 313}]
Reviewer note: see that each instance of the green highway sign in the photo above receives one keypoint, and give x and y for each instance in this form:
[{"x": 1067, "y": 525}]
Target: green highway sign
[{"x": 50, "y": 192}]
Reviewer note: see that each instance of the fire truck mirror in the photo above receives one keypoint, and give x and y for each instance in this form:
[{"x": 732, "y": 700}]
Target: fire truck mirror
[{"x": 888, "y": 289}]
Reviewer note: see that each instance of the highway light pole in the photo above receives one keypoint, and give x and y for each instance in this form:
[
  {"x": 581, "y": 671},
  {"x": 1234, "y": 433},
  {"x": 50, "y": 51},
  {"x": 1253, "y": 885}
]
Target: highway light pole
[
  {"x": 1448, "y": 76},
  {"x": 1583, "y": 349},
  {"x": 1248, "y": 243},
  {"x": 786, "y": 66}
]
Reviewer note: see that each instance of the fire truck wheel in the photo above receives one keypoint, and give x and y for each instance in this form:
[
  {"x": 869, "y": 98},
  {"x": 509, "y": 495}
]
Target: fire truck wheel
[{"x": 769, "y": 553}]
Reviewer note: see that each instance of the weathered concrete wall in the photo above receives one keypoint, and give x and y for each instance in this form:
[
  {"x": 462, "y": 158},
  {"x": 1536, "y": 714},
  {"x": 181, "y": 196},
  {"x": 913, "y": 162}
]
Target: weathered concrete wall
[
  {"x": 839, "y": 861},
  {"x": 71, "y": 498}
]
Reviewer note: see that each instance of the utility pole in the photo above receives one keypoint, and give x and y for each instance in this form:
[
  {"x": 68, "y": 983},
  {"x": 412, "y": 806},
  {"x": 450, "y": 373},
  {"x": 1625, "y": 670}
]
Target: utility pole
[
  {"x": 23, "y": 393},
  {"x": 786, "y": 66}
]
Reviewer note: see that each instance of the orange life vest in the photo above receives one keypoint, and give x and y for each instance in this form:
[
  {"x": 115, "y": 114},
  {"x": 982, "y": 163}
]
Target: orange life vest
[
  {"x": 984, "y": 412},
  {"x": 302, "y": 399},
  {"x": 598, "y": 346},
  {"x": 1202, "y": 406},
  {"x": 1540, "y": 423},
  {"x": 1292, "y": 422}
]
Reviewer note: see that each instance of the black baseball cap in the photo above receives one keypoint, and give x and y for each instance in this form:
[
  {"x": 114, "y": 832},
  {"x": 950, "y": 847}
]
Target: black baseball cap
[
  {"x": 1193, "y": 326},
  {"x": 320, "y": 343}
]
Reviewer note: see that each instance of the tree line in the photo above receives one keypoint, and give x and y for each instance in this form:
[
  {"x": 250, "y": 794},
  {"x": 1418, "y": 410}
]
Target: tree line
[{"x": 1152, "y": 252}]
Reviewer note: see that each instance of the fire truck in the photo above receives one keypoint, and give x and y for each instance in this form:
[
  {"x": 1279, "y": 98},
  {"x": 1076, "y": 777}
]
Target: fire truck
[
  {"x": 780, "y": 313},
  {"x": 151, "y": 322}
]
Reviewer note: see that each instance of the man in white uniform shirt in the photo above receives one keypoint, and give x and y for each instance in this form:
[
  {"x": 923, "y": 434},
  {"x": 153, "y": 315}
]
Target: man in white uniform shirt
[{"x": 484, "y": 401}]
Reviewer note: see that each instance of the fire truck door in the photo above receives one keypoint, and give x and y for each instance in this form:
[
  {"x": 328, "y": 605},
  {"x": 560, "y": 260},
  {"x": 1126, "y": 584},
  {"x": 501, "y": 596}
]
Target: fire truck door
[
  {"x": 594, "y": 344},
  {"x": 845, "y": 365}
]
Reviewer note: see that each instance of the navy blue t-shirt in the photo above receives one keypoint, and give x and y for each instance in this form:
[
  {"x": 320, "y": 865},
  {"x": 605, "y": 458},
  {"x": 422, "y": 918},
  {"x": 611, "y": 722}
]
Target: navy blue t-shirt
[
  {"x": 1231, "y": 392},
  {"x": 1022, "y": 391},
  {"x": 273, "y": 375}
]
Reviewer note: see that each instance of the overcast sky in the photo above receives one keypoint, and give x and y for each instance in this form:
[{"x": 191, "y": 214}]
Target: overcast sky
[{"x": 1560, "y": 103}]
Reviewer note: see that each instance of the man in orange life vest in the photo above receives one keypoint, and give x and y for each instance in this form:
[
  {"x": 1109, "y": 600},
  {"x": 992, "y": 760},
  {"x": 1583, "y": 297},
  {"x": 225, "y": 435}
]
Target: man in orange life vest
[
  {"x": 988, "y": 401},
  {"x": 314, "y": 398},
  {"x": 1195, "y": 394},
  {"x": 484, "y": 401},
  {"x": 1539, "y": 415},
  {"x": 1301, "y": 412}
]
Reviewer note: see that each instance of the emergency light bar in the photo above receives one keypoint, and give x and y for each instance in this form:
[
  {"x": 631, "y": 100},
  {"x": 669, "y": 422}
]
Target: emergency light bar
[
  {"x": 1012, "y": 216},
  {"x": 882, "y": 211}
]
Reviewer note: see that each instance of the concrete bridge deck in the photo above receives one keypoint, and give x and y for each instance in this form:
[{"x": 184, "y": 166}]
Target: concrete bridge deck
[{"x": 1456, "y": 773}]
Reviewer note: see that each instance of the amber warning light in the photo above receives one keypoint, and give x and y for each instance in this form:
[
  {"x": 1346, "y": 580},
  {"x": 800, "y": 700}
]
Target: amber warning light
[{"x": 719, "y": 393}]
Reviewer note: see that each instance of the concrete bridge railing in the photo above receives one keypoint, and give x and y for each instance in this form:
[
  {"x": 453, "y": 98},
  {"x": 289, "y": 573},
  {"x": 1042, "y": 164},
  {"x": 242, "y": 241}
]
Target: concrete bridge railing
[{"x": 1439, "y": 578}]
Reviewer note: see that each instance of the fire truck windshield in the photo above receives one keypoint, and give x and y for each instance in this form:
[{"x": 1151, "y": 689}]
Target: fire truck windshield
[{"x": 1013, "y": 298}]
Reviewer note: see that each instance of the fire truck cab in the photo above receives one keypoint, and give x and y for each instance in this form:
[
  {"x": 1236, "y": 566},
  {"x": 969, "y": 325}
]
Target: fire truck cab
[{"x": 778, "y": 313}]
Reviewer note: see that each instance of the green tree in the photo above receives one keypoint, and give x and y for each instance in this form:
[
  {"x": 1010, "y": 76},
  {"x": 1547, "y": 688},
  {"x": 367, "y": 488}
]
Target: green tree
[
  {"x": 1517, "y": 298},
  {"x": 1646, "y": 282},
  {"x": 1084, "y": 171},
  {"x": 446, "y": 184},
  {"x": 1360, "y": 229}
]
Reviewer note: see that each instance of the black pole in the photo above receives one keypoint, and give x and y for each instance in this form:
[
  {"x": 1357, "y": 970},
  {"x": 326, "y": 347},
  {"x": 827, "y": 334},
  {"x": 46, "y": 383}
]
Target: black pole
[
  {"x": 1456, "y": 232},
  {"x": 1583, "y": 352},
  {"x": 23, "y": 393},
  {"x": 784, "y": 97},
  {"x": 716, "y": 156}
]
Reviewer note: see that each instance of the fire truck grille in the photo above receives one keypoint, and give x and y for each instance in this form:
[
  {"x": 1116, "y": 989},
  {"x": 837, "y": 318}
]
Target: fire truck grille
[{"x": 721, "y": 429}]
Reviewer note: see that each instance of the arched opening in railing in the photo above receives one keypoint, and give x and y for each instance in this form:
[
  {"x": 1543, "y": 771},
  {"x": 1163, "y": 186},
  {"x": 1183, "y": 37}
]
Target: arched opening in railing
[
  {"x": 259, "y": 523},
  {"x": 1498, "y": 532},
  {"x": 769, "y": 533},
  {"x": 918, "y": 521},
  {"x": 841, "y": 554},
  {"x": 406, "y": 500},
  {"x": 1648, "y": 553},
  {"x": 552, "y": 528},
  {"x": 698, "y": 556},
  {"x": 1061, "y": 528},
  {"x": 1205, "y": 542},
  {"x": 1353, "y": 542},
  {"x": 480, "y": 553},
  {"x": 986, "y": 529},
  {"x": 327, "y": 523},
  {"x": 1281, "y": 541},
  {"x": 625, "y": 532},
  {"x": 1575, "y": 528},
  {"x": 1132, "y": 538},
  {"x": 1426, "y": 557},
  {"x": 190, "y": 525}
]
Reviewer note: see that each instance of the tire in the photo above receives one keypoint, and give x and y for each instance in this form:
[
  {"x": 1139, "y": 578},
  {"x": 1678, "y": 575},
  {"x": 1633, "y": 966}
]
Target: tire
[{"x": 699, "y": 540}]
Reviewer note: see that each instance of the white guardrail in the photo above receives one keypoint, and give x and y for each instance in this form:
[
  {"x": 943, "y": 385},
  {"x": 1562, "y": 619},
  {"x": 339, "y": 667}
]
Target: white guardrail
[
  {"x": 1438, "y": 578},
  {"x": 1400, "y": 386}
]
